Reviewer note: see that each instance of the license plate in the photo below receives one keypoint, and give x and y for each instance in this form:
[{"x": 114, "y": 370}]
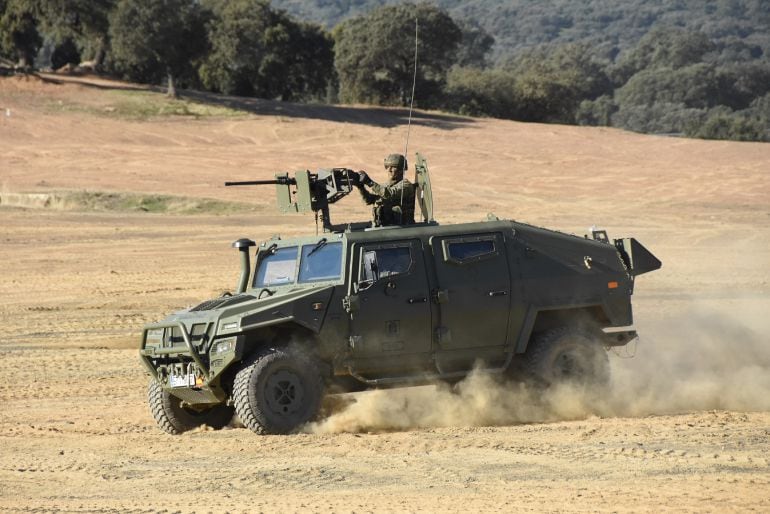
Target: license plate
[{"x": 182, "y": 380}]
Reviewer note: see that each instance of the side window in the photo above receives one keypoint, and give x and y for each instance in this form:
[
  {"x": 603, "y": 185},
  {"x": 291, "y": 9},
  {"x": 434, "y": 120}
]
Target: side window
[
  {"x": 467, "y": 250},
  {"x": 381, "y": 263}
]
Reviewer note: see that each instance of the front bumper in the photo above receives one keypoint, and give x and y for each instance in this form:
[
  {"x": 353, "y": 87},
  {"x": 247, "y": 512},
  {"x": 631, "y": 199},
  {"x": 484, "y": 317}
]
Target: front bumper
[{"x": 182, "y": 370}]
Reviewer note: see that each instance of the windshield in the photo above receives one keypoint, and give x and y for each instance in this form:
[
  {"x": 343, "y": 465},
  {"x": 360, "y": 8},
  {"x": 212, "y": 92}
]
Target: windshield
[
  {"x": 320, "y": 262},
  {"x": 278, "y": 268}
]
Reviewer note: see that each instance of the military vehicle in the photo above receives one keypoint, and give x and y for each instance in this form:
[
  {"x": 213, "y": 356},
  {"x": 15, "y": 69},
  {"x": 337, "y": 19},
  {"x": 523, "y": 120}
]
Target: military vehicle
[{"x": 358, "y": 307}]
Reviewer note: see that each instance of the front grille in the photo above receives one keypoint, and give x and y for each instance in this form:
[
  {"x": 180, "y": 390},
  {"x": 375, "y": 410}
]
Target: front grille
[
  {"x": 222, "y": 301},
  {"x": 172, "y": 337}
]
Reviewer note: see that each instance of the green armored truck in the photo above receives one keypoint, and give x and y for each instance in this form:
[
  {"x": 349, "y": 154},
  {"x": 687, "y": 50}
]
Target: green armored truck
[{"x": 360, "y": 306}]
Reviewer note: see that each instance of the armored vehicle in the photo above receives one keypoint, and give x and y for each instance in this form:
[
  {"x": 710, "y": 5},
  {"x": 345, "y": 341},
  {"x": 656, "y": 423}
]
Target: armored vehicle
[{"x": 357, "y": 307}]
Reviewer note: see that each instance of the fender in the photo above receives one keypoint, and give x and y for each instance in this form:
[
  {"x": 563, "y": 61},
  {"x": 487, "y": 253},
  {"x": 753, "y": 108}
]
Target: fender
[{"x": 307, "y": 308}]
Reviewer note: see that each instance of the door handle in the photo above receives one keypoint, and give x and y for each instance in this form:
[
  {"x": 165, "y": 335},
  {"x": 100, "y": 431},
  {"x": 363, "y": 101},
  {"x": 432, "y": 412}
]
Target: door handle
[
  {"x": 417, "y": 300},
  {"x": 497, "y": 293}
]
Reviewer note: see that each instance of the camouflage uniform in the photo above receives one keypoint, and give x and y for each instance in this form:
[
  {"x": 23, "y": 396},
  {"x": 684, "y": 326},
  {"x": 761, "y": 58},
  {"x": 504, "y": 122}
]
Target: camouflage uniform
[{"x": 393, "y": 202}]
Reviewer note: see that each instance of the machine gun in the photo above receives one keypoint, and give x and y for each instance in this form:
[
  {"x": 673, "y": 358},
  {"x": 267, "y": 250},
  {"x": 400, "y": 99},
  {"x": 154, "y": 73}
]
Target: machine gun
[{"x": 308, "y": 191}]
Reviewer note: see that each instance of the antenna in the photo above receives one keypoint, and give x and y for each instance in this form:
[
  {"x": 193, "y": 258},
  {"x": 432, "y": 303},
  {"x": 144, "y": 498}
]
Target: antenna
[
  {"x": 414, "y": 83},
  {"x": 411, "y": 106}
]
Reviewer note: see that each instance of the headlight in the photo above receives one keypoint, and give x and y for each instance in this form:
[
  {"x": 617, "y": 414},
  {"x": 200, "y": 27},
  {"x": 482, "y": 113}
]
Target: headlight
[{"x": 224, "y": 346}]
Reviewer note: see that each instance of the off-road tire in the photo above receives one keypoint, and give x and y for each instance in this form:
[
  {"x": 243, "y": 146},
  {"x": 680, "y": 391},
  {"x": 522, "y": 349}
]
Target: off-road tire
[
  {"x": 175, "y": 419},
  {"x": 566, "y": 355},
  {"x": 277, "y": 391}
]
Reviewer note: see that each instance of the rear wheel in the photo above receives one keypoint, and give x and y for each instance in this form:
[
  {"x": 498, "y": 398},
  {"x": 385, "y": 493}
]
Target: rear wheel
[
  {"x": 277, "y": 391},
  {"x": 174, "y": 418},
  {"x": 567, "y": 355}
]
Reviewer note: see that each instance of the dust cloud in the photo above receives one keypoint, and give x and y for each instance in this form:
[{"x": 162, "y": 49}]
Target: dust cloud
[
  {"x": 703, "y": 360},
  {"x": 706, "y": 359}
]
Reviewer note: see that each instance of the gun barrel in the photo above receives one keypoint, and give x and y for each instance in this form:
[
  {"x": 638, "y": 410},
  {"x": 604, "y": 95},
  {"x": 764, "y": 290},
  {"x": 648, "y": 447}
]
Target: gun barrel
[{"x": 261, "y": 182}]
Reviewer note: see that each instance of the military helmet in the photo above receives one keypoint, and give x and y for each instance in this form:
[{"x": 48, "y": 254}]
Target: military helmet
[{"x": 396, "y": 159}]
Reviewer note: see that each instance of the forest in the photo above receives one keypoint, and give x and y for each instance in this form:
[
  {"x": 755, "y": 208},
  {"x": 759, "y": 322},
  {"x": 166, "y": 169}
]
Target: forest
[{"x": 697, "y": 68}]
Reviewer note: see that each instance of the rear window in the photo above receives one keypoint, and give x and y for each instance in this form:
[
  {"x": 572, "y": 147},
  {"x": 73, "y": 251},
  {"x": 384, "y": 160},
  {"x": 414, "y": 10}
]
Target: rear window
[{"x": 470, "y": 250}]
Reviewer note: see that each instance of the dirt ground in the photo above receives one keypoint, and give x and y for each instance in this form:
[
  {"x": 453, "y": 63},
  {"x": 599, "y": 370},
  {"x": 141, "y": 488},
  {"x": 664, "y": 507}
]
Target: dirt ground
[{"x": 686, "y": 426}]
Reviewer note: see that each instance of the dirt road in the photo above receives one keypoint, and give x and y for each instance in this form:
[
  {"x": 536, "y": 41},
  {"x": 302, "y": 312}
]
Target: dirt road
[{"x": 686, "y": 426}]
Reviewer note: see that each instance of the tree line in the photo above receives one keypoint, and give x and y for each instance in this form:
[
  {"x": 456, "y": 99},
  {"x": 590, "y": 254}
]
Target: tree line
[{"x": 673, "y": 80}]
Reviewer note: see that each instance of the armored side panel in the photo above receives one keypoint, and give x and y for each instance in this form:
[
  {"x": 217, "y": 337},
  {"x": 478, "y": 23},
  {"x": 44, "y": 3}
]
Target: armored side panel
[
  {"x": 283, "y": 194},
  {"x": 304, "y": 194},
  {"x": 423, "y": 194}
]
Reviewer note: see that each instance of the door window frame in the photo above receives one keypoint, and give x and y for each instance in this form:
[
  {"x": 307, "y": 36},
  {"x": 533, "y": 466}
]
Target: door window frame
[{"x": 408, "y": 244}]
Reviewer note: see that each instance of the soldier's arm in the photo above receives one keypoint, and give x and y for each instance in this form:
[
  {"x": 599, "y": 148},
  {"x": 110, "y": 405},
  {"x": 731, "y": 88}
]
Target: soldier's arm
[
  {"x": 393, "y": 191},
  {"x": 368, "y": 197}
]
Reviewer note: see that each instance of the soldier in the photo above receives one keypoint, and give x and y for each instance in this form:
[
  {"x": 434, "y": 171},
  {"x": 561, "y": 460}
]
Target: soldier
[{"x": 394, "y": 202}]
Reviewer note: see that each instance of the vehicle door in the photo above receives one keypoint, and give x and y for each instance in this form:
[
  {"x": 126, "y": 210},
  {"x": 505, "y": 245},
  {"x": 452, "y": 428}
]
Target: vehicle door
[
  {"x": 474, "y": 290},
  {"x": 391, "y": 312}
]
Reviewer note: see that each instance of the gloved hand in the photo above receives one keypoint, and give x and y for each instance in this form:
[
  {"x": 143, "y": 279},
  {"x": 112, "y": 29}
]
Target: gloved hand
[{"x": 363, "y": 178}]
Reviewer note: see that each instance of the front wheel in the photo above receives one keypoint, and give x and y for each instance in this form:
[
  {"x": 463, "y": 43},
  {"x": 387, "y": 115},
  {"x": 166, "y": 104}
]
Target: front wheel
[
  {"x": 175, "y": 418},
  {"x": 567, "y": 355},
  {"x": 277, "y": 391}
]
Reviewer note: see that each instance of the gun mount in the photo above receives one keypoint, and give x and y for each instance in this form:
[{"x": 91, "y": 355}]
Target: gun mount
[{"x": 309, "y": 191}]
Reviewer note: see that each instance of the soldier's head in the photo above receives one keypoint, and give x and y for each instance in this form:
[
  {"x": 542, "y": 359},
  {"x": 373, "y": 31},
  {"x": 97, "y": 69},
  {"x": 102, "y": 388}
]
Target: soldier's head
[{"x": 395, "y": 165}]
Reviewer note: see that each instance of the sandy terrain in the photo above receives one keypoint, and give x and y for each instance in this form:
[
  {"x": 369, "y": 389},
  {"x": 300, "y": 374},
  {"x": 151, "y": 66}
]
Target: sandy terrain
[{"x": 686, "y": 426}]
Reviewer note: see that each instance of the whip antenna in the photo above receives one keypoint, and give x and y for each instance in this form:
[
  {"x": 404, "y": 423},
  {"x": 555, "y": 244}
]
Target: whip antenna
[
  {"x": 411, "y": 106},
  {"x": 414, "y": 83}
]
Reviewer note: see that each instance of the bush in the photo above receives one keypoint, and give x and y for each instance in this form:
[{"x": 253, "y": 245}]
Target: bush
[
  {"x": 731, "y": 126},
  {"x": 660, "y": 118},
  {"x": 596, "y": 112}
]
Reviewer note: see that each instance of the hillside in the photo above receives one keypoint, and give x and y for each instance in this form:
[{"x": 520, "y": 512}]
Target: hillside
[
  {"x": 683, "y": 428},
  {"x": 611, "y": 27}
]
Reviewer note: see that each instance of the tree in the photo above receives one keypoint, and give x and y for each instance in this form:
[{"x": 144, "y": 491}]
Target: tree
[
  {"x": 309, "y": 63},
  {"x": 596, "y": 112},
  {"x": 151, "y": 38},
  {"x": 475, "y": 45},
  {"x": 19, "y": 36},
  {"x": 730, "y": 126},
  {"x": 258, "y": 51},
  {"x": 663, "y": 48},
  {"x": 695, "y": 86},
  {"x": 551, "y": 82},
  {"x": 84, "y": 22},
  {"x": 374, "y": 54},
  {"x": 486, "y": 92}
]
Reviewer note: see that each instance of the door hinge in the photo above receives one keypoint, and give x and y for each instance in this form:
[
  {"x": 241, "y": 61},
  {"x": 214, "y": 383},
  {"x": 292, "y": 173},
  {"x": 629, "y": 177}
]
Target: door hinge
[
  {"x": 351, "y": 303},
  {"x": 443, "y": 335},
  {"x": 440, "y": 295}
]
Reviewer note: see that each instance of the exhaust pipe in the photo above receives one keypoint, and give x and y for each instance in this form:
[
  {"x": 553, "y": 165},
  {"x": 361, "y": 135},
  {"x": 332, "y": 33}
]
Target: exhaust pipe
[{"x": 243, "y": 246}]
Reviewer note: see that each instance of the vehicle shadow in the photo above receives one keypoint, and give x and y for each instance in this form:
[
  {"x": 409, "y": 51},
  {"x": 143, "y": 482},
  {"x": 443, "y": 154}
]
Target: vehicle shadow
[{"x": 385, "y": 117}]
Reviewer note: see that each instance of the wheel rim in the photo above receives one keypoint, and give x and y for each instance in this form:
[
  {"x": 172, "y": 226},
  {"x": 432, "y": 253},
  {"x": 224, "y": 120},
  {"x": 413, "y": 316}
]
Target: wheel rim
[
  {"x": 284, "y": 393},
  {"x": 570, "y": 366}
]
